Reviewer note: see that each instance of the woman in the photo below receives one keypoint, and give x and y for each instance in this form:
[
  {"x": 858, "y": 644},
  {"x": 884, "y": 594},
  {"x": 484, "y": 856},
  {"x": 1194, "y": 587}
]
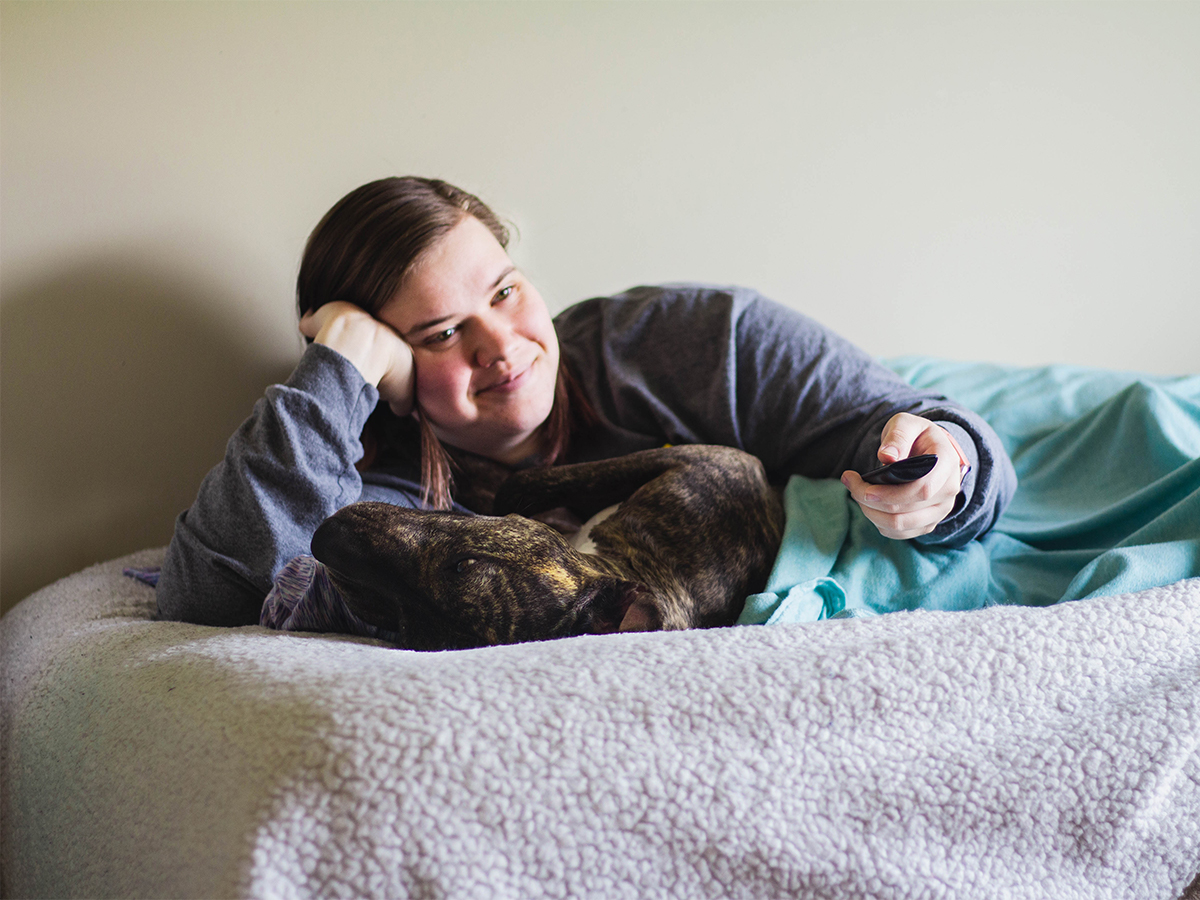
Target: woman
[{"x": 409, "y": 297}]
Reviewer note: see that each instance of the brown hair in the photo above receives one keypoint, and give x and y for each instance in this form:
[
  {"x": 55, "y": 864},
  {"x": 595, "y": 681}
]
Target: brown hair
[{"x": 360, "y": 252}]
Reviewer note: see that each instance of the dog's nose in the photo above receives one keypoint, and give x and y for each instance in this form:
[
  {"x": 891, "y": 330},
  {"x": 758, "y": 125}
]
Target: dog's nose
[
  {"x": 362, "y": 532},
  {"x": 341, "y": 538},
  {"x": 331, "y": 540}
]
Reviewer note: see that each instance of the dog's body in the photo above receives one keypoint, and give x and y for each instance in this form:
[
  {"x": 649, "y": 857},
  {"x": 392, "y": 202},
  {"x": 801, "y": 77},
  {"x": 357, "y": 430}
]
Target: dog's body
[{"x": 696, "y": 532}]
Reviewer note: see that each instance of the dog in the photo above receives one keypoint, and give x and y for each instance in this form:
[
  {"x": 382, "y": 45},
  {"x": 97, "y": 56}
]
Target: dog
[{"x": 695, "y": 531}]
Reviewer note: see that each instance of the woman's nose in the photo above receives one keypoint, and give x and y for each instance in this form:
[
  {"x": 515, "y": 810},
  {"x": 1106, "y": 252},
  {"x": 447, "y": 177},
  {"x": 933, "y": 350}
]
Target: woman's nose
[{"x": 495, "y": 341}]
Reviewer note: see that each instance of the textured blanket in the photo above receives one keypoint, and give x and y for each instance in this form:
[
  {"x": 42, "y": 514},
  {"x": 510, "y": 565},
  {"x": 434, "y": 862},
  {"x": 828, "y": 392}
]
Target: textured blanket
[{"x": 1011, "y": 752}]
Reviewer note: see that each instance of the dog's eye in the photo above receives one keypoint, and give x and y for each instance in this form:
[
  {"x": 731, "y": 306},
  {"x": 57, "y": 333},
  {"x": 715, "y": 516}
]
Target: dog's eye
[{"x": 462, "y": 565}]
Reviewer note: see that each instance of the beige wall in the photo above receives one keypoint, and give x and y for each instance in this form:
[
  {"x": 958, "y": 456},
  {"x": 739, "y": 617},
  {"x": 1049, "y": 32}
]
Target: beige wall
[{"x": 1014, "y": 182}]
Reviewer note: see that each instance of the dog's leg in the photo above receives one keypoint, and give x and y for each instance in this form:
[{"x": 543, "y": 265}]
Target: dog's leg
[
  {"x": 588, "y": 487},
  {"x": 673, "y": 501}
]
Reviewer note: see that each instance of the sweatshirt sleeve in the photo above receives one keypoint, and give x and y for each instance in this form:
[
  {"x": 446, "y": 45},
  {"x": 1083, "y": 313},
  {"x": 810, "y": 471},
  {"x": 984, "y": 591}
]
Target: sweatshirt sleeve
[
  {"x": 288, "y": 467},
  {"x": 815, "y": 404},
  {"x": 695, "y": 364}
]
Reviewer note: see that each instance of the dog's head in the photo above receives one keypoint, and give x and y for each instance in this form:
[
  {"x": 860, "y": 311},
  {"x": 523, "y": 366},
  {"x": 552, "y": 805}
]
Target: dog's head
[{"x": 444, "y": 580}]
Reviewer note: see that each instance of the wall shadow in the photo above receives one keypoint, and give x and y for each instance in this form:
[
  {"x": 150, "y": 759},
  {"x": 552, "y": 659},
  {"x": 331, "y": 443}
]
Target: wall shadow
[{"x": 120, "y": 386}]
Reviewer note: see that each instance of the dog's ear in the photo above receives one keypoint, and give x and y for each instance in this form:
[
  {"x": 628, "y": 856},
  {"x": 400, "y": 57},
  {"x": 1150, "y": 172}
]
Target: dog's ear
[
  {"x": 642, "y": 614},
  {"x": 610, "y": 601}
]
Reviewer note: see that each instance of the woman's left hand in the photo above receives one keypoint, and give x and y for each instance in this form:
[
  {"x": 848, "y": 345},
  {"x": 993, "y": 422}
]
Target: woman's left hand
[{"x": 903, "y": 511}]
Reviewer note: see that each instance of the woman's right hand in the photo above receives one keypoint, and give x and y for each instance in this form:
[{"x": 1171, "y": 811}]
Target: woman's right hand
[{"x": 376, "y": 350}]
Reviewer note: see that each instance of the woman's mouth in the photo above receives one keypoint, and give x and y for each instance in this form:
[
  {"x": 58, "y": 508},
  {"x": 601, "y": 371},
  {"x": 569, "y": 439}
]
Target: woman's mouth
[{"x": 510, "y": 383}]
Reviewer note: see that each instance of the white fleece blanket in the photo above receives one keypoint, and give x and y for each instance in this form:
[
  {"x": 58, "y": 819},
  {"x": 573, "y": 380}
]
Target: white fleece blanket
[{"x": 1008, "y": 753}]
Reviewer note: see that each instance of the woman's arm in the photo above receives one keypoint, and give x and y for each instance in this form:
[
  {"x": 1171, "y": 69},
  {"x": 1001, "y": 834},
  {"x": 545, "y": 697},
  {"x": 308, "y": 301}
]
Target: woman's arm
[
  {"x": 695, "y": 364},
  {"x": 843, "y": 411},
  {"x": 287, "y": 468}
]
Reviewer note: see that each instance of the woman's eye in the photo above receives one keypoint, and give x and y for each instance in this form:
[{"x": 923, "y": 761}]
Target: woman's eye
[
  {"x": 442, "y": 336},
  {"x": 505, "y": 292}
]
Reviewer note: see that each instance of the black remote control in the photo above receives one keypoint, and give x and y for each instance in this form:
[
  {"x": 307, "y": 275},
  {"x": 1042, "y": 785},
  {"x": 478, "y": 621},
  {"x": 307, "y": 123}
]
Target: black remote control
[{"x": 903, "y": 470}]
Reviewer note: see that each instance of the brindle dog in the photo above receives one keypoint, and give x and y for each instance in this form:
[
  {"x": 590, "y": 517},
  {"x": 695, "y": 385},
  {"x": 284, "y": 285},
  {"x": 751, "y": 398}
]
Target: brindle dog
[{"x": 696, "y": 532}]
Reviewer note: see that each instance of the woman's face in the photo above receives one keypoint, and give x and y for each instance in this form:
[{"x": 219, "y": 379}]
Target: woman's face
[{"x": 485, "y": 349}]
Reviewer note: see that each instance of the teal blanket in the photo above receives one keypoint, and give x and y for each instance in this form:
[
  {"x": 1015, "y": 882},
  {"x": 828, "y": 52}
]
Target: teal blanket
[{"x": 1108, "y": 503}]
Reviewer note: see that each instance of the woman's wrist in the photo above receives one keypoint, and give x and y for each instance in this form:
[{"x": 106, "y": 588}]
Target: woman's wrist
[{"x": 379, "y": 354}]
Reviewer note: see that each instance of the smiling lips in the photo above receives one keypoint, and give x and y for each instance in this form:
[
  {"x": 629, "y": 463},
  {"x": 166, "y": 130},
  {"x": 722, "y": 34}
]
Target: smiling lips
[{"x": 508, "y": 383}]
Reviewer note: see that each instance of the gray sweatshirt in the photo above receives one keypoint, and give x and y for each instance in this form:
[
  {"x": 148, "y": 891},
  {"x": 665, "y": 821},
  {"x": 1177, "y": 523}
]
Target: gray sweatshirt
[{"x": 679, "y": 364}]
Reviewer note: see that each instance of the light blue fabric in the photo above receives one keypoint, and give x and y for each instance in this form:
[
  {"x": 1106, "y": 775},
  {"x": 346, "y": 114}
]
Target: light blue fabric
[{"x": 1108, "y": 503}]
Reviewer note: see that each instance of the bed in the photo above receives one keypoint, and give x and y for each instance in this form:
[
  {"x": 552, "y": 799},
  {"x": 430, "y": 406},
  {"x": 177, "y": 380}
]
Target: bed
[{"x": 975, "y": 741}]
